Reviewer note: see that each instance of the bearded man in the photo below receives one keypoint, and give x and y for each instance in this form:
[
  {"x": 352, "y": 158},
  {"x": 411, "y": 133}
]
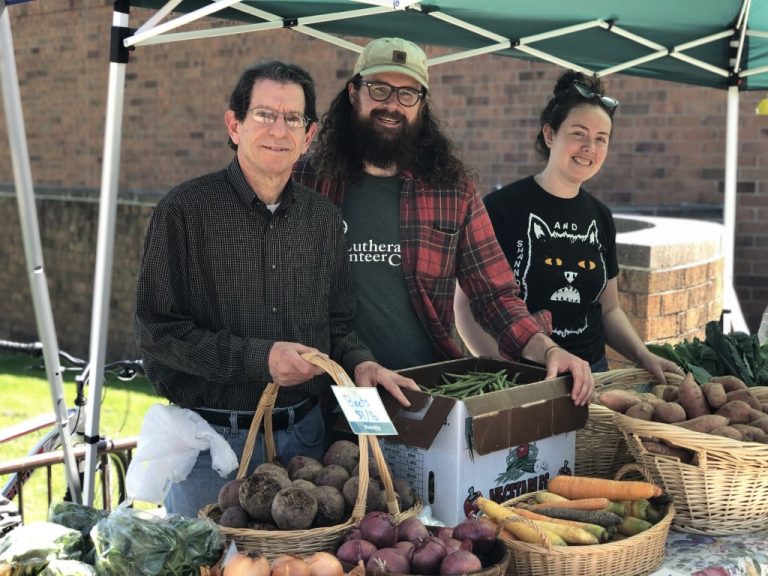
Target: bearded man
[{"x": 415, "y": 224}]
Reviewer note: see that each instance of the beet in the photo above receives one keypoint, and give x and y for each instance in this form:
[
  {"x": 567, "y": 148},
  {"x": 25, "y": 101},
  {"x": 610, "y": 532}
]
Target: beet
[
  {"x": 460, "y": 562},
  {"x": 428, "y": 556},
  {"x": 387, "y": 561},
  {"x": 352, "y": 551},
  {"x": 412, "y": 529},
  {"x": 379, "y": 528}
]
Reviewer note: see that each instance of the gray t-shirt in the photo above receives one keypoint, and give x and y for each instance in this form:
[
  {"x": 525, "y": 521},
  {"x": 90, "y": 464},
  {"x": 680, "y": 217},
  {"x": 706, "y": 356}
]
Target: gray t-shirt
[{"x": 385, "y": 320}]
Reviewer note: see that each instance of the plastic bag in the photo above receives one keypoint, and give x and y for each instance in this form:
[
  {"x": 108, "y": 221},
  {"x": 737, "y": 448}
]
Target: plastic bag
[
  {"x": 29, "y": 548},
  {"x": 169, "y": 442}
]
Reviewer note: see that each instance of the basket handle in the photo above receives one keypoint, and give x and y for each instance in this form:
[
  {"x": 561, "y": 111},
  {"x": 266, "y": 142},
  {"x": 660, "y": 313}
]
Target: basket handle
[
  {"x": 634, "y": 467},
  {"x": 545, "y": 541}
]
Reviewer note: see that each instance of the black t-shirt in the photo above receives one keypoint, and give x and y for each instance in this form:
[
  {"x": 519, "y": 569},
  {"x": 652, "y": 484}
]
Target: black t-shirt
[
  {"x": 563, "y": 252},
  {"x": 385, "y": 318}
]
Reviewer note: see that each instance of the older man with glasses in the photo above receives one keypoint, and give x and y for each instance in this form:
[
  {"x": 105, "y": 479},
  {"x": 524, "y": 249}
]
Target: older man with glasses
[
  {"x": 416, "y": 225},
  {"x": 243, "y": 271}
]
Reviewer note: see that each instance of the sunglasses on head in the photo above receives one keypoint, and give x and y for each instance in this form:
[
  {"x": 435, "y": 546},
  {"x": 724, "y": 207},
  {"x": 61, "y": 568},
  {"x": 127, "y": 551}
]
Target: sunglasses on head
[{"x": 584, "y": 92}]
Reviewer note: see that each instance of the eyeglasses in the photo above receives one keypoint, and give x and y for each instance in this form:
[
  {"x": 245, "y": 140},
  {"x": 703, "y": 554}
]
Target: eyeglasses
[
  {"x": 584, "y": 92},
  {"x": 381, "y": 91},
  {"x": 268, "y": 117}
]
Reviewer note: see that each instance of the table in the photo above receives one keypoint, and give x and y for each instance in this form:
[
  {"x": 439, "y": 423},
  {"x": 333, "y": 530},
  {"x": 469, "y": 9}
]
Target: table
[{"x": 699, "y": 555}]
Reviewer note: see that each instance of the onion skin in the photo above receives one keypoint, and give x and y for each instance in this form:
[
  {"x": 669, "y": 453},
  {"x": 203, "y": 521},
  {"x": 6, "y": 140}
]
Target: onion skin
[
  {"x": 379, "y": 528},
  {"x": 407, "y": 548},
  {"x": 460, "y": 562},
  {"x": 444, "y": 532},
  {"x": 246, "y": 564},
  {"x": 353, "y": 551},
  {"x": 451, "y": 545},
  {"x": 387, "y": 561},
  {"x": 324, "y": 564},
  {"x": 289, "y": 565}
]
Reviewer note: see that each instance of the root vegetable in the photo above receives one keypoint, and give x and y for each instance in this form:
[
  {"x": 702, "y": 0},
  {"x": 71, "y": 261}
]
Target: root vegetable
[
  {"x": 332, "y": 475},
  {"x": 715, "y": 394},
  {"x": 273, "y": 467},
  {"x": 460, "y": 562},
  {"x": 353, "y": 551},
  {"x": 403, "y": 489},
  {"x": 343, "y": 453},
  {"x": 234, "y": 517},
  {"x": 745, "y": 396},
  {"x": 412, "y": 529},
  {"x": 704, "y": 424},
  {"x": 379, "y": 528},
  {"x": 324, "y": 564},
  {"x": 730, "y": 382},
  {"x": 482, "y": 533},
  {"x": 737, "y": 412},
  {"x": 406, "y": 547},
  {"x": 258, "y": 491},
  {"x": 641, "y": 411},
  {"x": 303, "y": 467},
  {"x": 229, "y": 495},
  {"x": 573, "y": 487},
  {"x": 619, "y": 400},
  {"x": 373, "y": 494},
  {"x": 246, "y": 564},
  {"x": 669, "y": 413},
  {"x": 387, "y": 561},
  {"x": 290, "y": 565},
  {"x": 427, "y": 556},
  {"x": 293, "y": 509},
  {"x": 691, "y": 398},
  {"x": 330, "y": 505}
]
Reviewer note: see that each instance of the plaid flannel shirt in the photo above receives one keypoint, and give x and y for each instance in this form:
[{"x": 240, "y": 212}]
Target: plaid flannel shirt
[{"x": 445, "y": 236}]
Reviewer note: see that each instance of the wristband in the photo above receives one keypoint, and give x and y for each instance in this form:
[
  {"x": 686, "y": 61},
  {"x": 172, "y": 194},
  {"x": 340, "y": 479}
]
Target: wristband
[{"x": 548, "y": 350}]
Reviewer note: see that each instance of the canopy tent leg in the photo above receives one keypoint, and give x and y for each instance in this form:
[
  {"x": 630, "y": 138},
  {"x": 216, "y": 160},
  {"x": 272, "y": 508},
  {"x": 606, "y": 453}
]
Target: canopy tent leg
[
  {"x": 102, "y": 283},
  {"x": 33, "y": 252},
  {"x": 733, "y": 318}
]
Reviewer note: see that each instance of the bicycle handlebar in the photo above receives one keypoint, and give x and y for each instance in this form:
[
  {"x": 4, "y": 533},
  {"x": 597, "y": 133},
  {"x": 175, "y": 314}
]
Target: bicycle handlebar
[
  {"x": 128, "y": 368},
  {"x": 33, "y": 348}
]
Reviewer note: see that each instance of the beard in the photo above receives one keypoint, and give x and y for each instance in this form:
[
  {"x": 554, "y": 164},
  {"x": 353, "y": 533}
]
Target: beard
[{"x": 384, "y": 147}]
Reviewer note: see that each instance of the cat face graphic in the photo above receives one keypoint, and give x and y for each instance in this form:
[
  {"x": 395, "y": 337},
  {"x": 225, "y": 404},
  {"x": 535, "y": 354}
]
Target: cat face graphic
[{"x": 564, "y": 269}]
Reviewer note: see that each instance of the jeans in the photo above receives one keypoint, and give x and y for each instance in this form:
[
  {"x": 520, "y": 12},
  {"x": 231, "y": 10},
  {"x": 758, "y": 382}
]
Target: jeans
[
  {"x": 599, "y": 365},
  {"x": 202, "y": 485}
]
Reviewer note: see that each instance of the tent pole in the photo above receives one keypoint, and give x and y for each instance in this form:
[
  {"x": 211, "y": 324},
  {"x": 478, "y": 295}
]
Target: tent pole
[
  {"x": 102, "y": 282},
  {"x": 33, "y": 252},
  {"x": 734, "y": 320}
]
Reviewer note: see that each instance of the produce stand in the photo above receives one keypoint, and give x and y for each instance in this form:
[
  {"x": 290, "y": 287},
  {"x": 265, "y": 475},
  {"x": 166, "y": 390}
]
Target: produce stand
[{"x": 688, "y": 554}]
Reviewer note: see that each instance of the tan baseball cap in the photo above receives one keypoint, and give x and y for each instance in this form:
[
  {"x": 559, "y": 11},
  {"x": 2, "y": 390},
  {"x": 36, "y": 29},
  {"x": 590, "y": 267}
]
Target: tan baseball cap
[{"x": 393, "y": 55}]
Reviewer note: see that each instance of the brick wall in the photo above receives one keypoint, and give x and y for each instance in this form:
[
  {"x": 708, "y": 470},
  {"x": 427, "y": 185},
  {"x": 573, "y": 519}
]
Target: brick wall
[{"x": 668, "y": 146}]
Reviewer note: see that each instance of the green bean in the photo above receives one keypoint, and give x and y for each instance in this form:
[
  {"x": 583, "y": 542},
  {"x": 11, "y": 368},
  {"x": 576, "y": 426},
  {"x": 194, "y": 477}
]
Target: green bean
[{"x": 461, "y": 386}]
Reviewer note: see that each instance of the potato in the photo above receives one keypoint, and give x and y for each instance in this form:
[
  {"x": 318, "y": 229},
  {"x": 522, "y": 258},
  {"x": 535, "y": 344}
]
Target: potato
[
  {"x": 761, "y": 423},
  {"x": 691, "y": 398},
  {"x": 651, "y": 399},
  {"x": 293, "y": 509},
  {"x": 332, "y": 475},
  {"x": 715, "y": 394},
  {"x": 641, "y": 411},
  {"x": 330, "y": 505},
  {"x": 729, "y": 383},
  {"x": 257, "y": 493},
  {"x": 229, "y": 494},
  {"x": 666, "y": 392},
  {"x": 704, "y": 424},
  {"x": 234, "y": 517},
  {"x": 728, "y": 432},
  {"x": 669, "y": 413},
  {"x": 746, "y": 396},
  {"x": 750, "y": 433},
  {"x": 303, "y": 467},
  {"x": 619, "y": 400},
  {"x": 666, "y": 450},
  {"x": 343, "y": 453},
  {"x": 737, "y": 412}
]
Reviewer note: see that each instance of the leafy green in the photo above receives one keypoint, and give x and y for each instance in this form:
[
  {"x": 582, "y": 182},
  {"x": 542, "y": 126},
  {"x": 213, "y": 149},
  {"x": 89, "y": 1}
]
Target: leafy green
[
  {"x": 735, "y": 354},
  {"x": 29, "y": 548}
]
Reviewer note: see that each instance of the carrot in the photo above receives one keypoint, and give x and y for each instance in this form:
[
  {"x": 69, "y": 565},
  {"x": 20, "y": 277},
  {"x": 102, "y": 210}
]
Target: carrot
[
  {"x": 574, "y": 487},
  {"x": 579, "y": 504},
  {"x": 544, "y": 496},
  {"x": 505, "y": 518},
  {"x": 638, "y": 508},
  {"x": 631, "y": 526},
  {"x": 596, "y": 530},
  {"x": 599, "y": 517}
]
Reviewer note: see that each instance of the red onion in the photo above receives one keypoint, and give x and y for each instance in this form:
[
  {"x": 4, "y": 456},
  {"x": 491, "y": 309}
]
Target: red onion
[
  {"x": 427, "y": 556},
  {"x": 412, "y": 529},
  {"x": 481, "y": 531},
  {"x": 353, "y": 550},
  {"x": 387, "y": 561},
  {"x": 460, "y": 562},
  {"x": 379, "y": 528}
]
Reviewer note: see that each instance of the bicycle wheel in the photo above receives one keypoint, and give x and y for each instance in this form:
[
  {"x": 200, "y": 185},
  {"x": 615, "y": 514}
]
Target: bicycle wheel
[{"x": 107, "y": 494}]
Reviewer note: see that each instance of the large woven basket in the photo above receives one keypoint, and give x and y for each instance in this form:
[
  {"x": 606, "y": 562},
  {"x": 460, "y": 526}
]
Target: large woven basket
[
  {"x": 600, "y": 447},
  {"x": 273, "y": 543},
  {"x": 633, "y": 556},
  {"x": 724, "y": 492}
]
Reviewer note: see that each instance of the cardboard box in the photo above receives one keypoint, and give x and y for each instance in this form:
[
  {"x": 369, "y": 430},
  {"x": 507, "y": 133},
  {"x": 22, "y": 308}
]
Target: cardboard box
[{"x": 498, "y": 445}]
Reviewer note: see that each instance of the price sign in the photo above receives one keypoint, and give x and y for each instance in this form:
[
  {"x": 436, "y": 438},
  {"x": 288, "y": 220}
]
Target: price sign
[{"x": 364, "y": 410}]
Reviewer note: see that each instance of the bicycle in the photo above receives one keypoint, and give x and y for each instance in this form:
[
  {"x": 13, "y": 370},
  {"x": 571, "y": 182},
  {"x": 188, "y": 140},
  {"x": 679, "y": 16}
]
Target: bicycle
[{"x": 114, "y": 464}]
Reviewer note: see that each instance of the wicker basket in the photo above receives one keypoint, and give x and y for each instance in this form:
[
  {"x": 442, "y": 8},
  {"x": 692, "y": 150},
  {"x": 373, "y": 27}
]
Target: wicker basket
[
  {"x": 273, "y": 543},
  {"x": 724, "y": 492},
  {"x": 600, "y": 448},
  {"x": 639, "y": 554}
]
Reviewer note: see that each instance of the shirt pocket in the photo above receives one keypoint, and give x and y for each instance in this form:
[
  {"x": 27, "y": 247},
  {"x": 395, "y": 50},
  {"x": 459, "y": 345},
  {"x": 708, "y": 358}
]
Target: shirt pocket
[{"x": 436, "y": 252}]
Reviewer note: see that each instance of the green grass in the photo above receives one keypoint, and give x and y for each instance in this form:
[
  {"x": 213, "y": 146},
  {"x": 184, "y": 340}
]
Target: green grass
[{"x": 26, "y": 393}]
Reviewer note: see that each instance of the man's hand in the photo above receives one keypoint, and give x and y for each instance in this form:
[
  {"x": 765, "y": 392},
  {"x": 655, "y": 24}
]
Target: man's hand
[
  {"x": 286, "y": 365},
  {"x": 371, "y": 374},
  {"x": 559, "y": 360}
]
